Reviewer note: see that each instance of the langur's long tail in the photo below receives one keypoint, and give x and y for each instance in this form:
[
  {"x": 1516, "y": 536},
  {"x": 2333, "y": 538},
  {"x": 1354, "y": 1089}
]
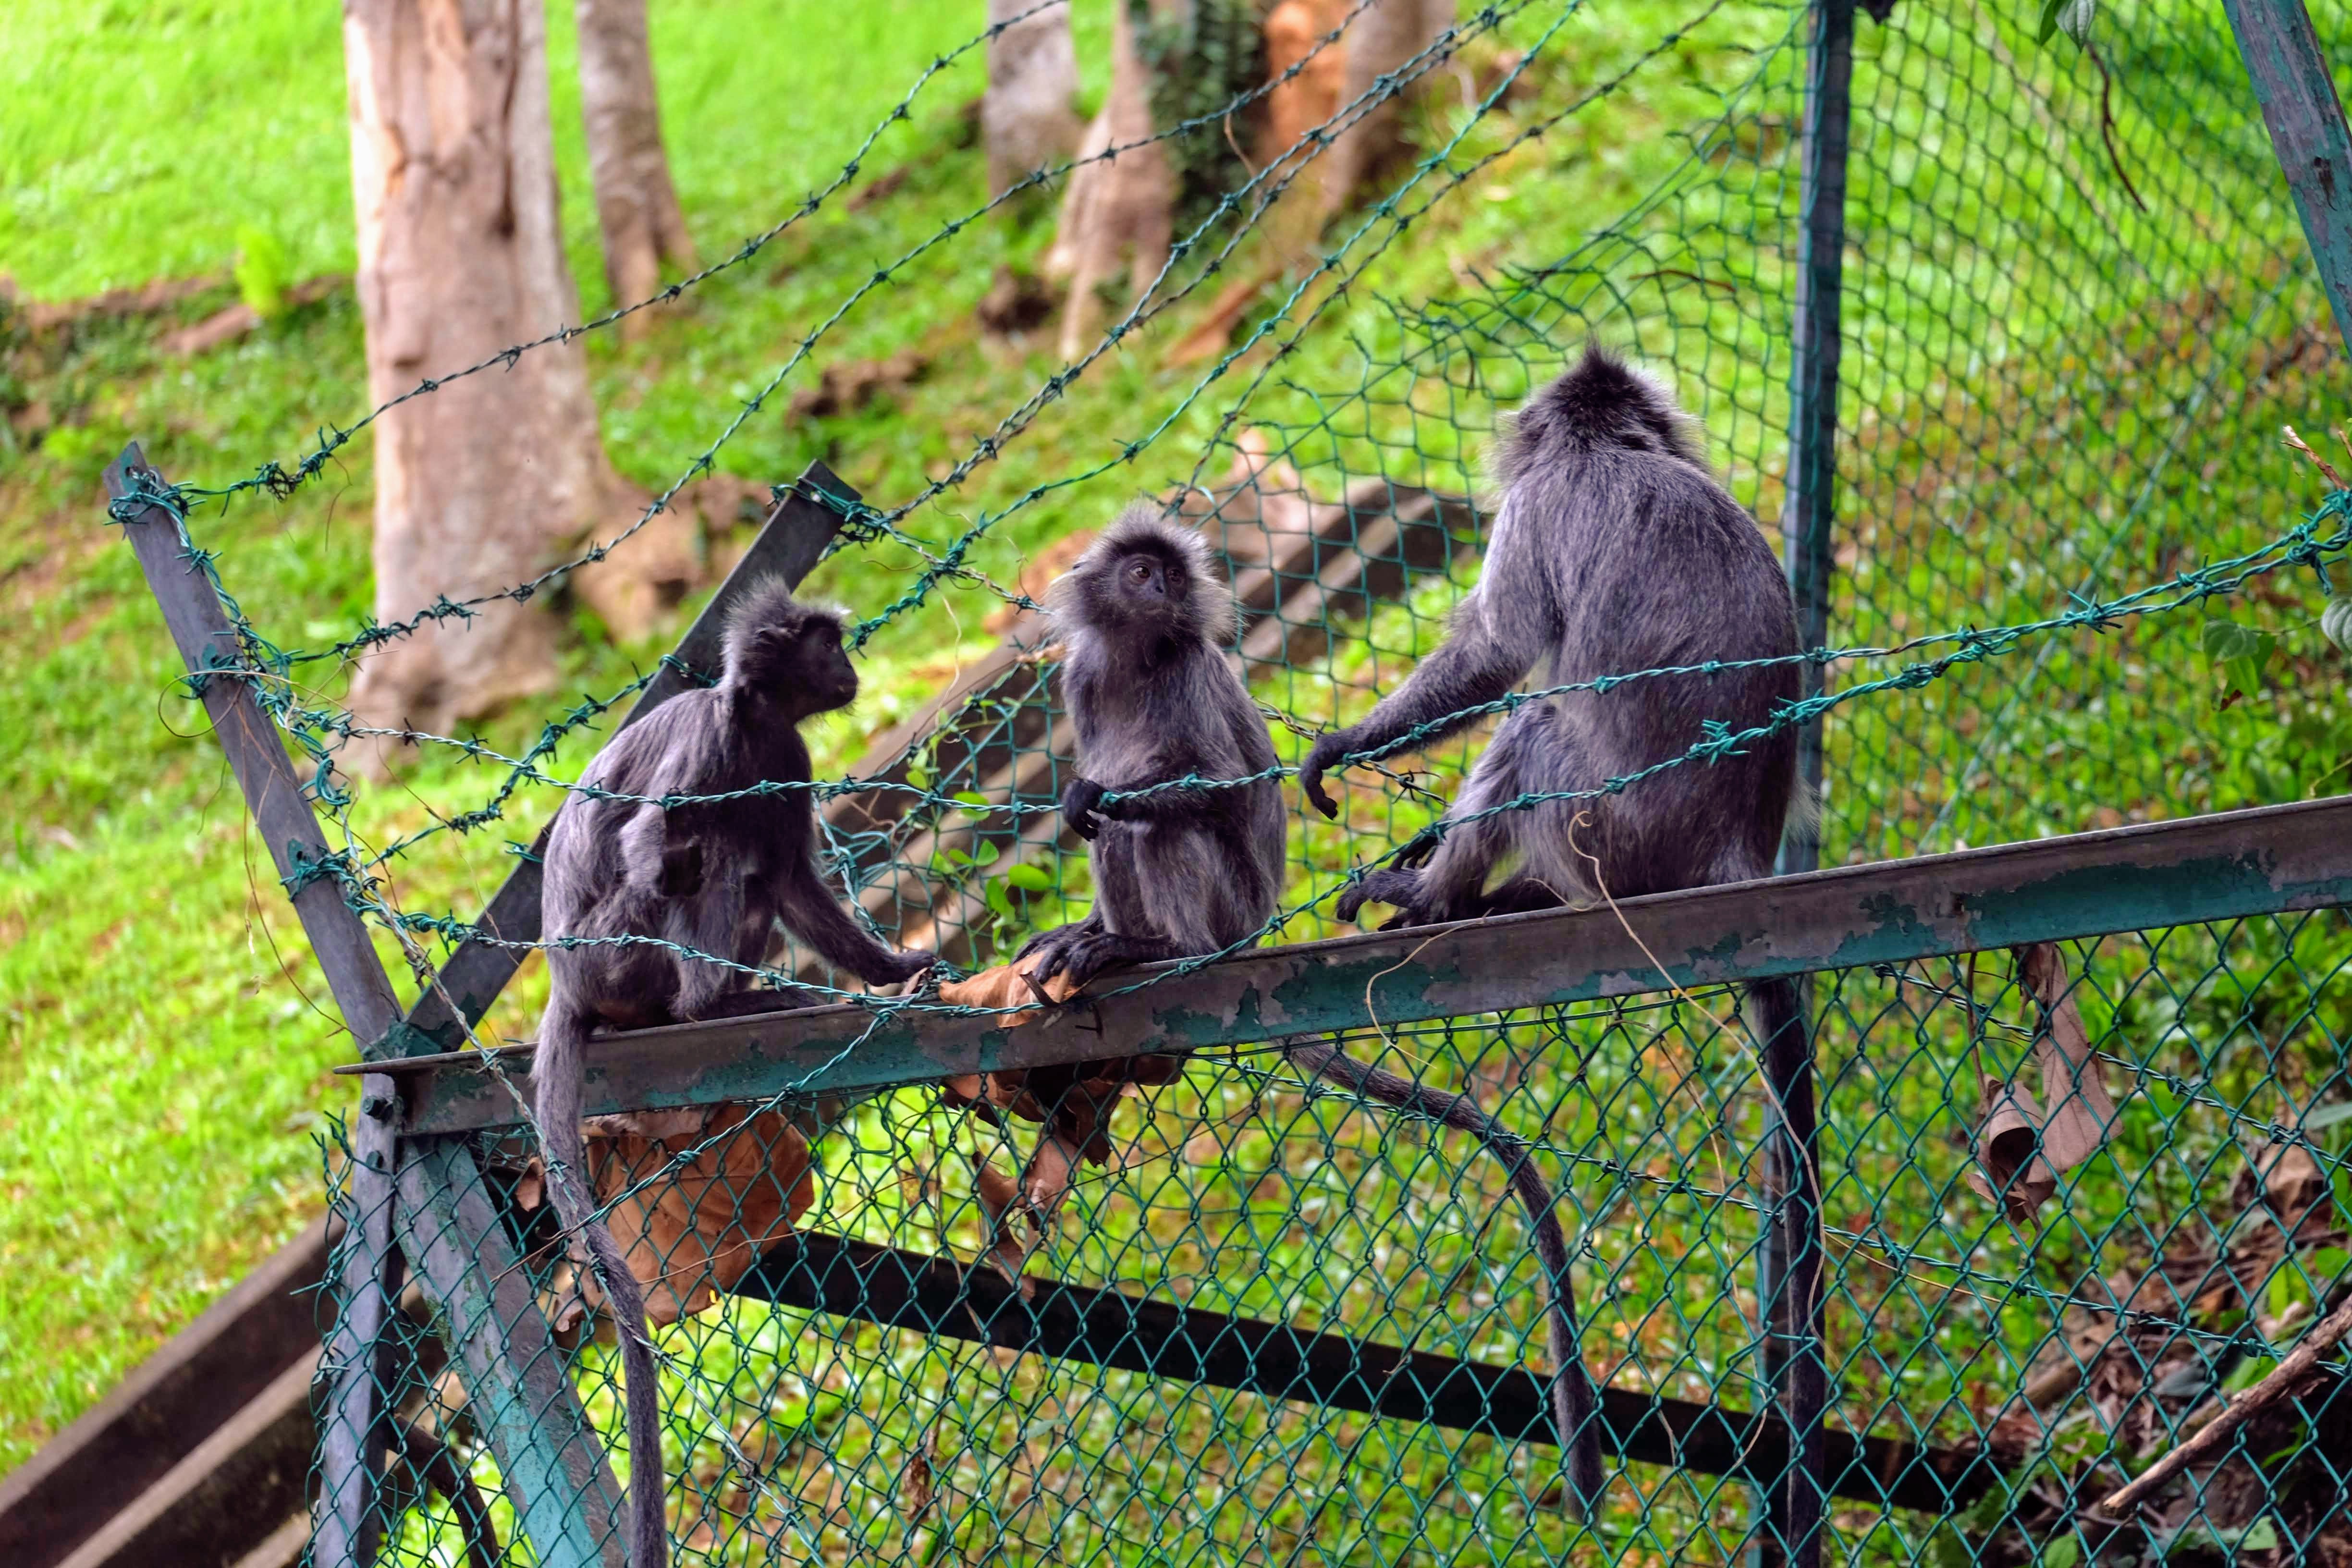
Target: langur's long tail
[
  {"x": 1574, "y": 1409},
  {"x": 556, "y": 1069}
]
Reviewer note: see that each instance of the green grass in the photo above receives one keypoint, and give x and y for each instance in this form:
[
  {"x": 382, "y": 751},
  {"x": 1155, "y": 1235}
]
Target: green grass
[
  {"x": 163, "y": 1077},
  {"x": 156, "y": 1050}
]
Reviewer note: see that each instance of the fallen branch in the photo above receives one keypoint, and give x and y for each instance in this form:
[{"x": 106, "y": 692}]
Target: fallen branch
[
  {"x": 2286, "y": 1377},
  {"x": 229, "y": 325}
]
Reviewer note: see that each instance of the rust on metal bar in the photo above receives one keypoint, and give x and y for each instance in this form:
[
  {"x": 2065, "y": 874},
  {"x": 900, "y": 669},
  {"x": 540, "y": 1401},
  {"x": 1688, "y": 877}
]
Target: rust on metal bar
[{"x": 2226, "y": 867}]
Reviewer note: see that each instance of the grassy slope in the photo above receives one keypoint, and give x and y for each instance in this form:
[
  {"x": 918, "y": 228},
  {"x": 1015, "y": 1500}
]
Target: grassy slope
[
  {"x": 156, "y": 1132},
  {"x": 160, "y": 1076}
]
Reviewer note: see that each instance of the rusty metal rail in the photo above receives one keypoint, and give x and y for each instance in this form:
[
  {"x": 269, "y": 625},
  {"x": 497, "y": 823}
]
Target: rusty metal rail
[{"x": 2224, "y": 867}]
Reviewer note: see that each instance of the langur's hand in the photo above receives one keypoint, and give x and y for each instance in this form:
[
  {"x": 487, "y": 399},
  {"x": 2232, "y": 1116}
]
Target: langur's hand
[
  {"x": 1327, "y": 751},
  {"x": 1082, "y": 807},
  {"x": 901, "y": 966},
  {"x": 681, "y": 868}
]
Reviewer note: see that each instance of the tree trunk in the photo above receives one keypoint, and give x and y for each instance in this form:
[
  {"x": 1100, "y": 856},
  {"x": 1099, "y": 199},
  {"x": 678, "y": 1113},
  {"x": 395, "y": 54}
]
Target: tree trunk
[
  {"x": 1118, "y": 210},
  {"x": 1383, "y": 37},
  {"x": 1296, "y": 107},
  {"x": 637, "y": 204},
  {"x": 1026, "y": 121},
  {"x": 479, "y": 484}
]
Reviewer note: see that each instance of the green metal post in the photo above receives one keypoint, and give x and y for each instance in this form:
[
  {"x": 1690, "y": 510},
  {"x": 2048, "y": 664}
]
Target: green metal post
[
  {"x": 1809, "y": 516},
  {"x": 518, "y": 1382},
  {"x": 1789, "y": 1257},
  {"x": 2307, "y": 132}
]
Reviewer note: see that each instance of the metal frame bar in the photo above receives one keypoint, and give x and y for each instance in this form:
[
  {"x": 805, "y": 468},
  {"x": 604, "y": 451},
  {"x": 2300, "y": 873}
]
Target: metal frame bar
[
  {"x": 352, "y": 1433},
  {"x": 2307, "y": 131},
  {"x": 518, "y": 1379},
  {"x": 1809, "y": 516},
  {"x": 1788, "y": 1263},
  {"x": 2271, "y": 860},
  {"x": 942, "y": 1297}
]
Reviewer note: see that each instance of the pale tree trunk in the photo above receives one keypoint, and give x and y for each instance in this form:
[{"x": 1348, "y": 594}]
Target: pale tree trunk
[
  {"x": 1295, "y": 31},
  {"x": 1117, "y": 211},
  {"x": 1026, "y": 120},
  {"x": 637, "y": 204},
  {"x": 1383, "y": 37},
  {"x": 479, "y": 484}
]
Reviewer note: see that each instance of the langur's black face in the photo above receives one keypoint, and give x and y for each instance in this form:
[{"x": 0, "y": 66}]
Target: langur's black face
[
  {"x": 800, "y": 664},
  {"x": 1147, "y": 591}
]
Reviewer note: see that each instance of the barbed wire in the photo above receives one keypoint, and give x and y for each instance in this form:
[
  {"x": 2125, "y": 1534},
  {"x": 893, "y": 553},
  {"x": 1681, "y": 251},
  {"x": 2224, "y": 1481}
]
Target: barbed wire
[
  {"x": 2302, "y": 546},
  {"x": 280, "y": 482}
]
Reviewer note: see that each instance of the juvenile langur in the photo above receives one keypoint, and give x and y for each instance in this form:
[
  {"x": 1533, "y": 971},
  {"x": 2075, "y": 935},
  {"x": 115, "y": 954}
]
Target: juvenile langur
[
  {"x": 1143, "y": 618},
  {"x": 1615, "y": 549},
  {"x": 714, "y": 876}
]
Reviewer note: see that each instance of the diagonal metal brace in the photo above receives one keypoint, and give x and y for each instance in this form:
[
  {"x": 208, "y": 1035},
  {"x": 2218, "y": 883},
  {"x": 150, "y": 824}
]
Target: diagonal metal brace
[{"x": 352, "y": 1432}]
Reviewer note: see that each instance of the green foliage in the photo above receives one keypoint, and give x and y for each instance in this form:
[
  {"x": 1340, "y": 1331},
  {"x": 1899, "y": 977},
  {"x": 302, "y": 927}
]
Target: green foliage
[
  {"x": 261, "y": 271},
  {"x": 2335, "y": 621},
  {"x": 2071, "y": 15},
  {"x": 2241, "y": 654},
  {"x": 1198, "y": 60}
]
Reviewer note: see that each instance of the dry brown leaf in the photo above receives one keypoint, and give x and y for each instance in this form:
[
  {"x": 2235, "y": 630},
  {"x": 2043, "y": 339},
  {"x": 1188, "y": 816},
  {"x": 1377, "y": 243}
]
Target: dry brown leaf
[
  {"x": 2022, "y": 1148},
  {"x": 1075, "y": 1100},
  {"x": 691, "y": 1233},
  {"x": 2294, "y": 1190},
  {"x": 999, "y": 1196},
  {"x": 2011, "y": 1169},
  {"x": 914, "y": 1491},
  {"x": 2079, "y": 1112},
  {"x": 1007, "y": 985},
  {"x": 1052, "y": 1170}
]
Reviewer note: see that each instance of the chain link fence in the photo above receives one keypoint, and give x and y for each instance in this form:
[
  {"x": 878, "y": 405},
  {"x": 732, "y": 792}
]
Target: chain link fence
[{"x": 2083, "y": 1125}]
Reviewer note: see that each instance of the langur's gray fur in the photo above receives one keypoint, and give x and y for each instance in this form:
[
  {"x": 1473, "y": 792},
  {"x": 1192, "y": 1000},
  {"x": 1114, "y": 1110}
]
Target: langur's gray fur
[
  {"x": 1615, "y": 549},
  {"x": 715, "y": 878},
  {"x": 1143, "y": 618}
]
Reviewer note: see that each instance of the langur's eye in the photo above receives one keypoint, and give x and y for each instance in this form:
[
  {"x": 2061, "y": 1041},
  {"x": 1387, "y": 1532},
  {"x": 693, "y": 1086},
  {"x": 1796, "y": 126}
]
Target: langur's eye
[{"x": 1138, "y": 574}]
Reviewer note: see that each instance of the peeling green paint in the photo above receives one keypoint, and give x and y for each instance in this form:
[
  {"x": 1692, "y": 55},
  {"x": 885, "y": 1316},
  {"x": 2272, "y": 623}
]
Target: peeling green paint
[{"x": 2220, "y": 868}]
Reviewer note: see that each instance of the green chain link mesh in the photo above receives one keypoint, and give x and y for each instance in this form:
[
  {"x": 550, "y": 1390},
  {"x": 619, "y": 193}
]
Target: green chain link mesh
[{"x": 2077, "y": 310}]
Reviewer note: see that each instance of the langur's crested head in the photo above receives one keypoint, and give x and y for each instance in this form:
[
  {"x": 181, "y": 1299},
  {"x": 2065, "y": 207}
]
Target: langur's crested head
[
  {"x": 1147, "y": 581},
  {"x": 788, "y": 653},
  {"x": 1600, "y": 402}
]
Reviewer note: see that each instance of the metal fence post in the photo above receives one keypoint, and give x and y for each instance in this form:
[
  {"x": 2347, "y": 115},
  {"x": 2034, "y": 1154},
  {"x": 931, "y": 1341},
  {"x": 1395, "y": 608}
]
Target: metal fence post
[
  {"x": 352, "y": 1426},
  {"x": 1810, "y": 513},
  {"x": 2307, "y": 132},
  {"x": 1788, "y": 1289}
]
